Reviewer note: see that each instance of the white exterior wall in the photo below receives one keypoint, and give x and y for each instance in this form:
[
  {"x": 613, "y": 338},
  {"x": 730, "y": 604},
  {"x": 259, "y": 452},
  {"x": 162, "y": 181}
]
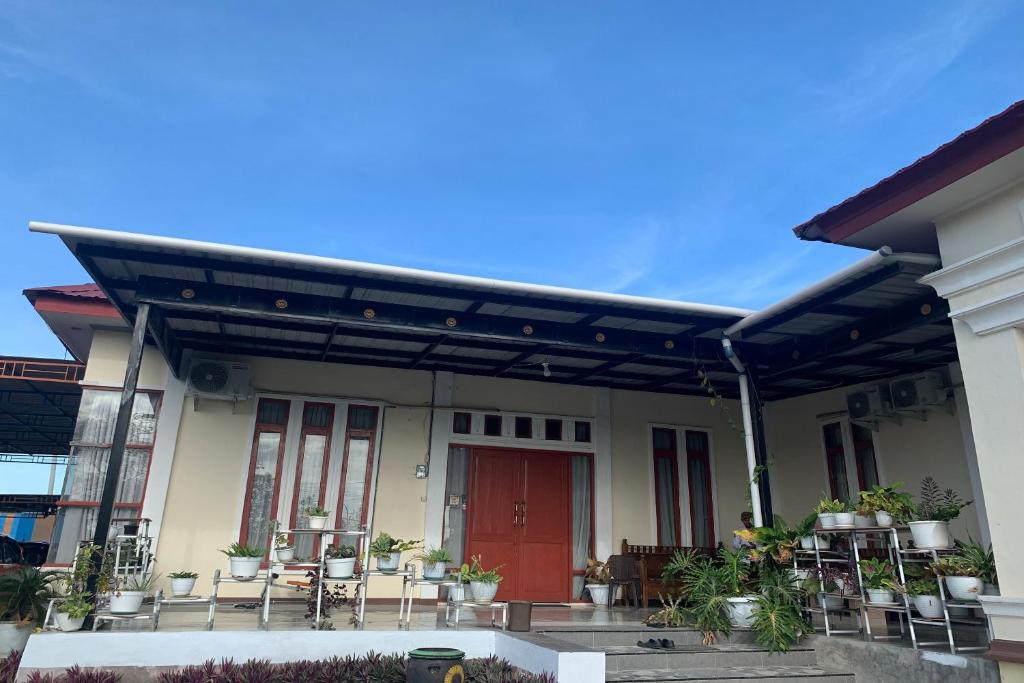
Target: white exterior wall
[
  {"x": 904, "y": 452},
  {"x": 211, "y": 449}
]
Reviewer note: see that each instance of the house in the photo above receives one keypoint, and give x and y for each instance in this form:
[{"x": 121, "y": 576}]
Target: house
[{"x": 536, "y": 426}]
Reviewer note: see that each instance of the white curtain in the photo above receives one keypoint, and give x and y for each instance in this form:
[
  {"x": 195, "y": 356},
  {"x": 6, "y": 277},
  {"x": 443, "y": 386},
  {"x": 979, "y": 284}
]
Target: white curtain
[
  {"x": 697, "y": 459},
  {"x": 581, "y": 519},
  {"x": 667, "y": 504},
  {"x": 455, "y": 502}
]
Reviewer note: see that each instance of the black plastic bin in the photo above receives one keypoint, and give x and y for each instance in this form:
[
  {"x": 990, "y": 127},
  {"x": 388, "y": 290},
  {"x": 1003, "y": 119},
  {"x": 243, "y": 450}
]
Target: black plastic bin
[
  {"x": 435, "y": 665},
  {"x": 520, "y": 612}
]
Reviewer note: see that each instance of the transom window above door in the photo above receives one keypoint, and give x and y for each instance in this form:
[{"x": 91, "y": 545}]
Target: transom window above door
[
  {"x": 307, "y": 453},
  {"x": 546, "y": 431}
]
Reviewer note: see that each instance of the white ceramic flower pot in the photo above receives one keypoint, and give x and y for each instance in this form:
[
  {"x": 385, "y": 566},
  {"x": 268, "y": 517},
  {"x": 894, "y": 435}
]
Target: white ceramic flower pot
[
  {"x": 14, "y": 637},
  {"x": 929, "y": 606},
  {"x": 389, "y": 563},
  {"x": 434, "y": 571},
  {"x": 864, "y": 521},
  {"x": 807, "y": 543},
  {"x": 126, "y": 602},
  {"x": 182, "y": 587},
  {"x": 827, "y": 520},
  {"x": 285, "y": 554},
  {"x": 483, "y": 592},
  {"x": 930, "y": 534},
  {"x": 883, "y": 518},
  {"x": 66, "y": 623},
  {"x": 741, "y": 610},
  {"x": 830, "y": 602},
  {"x": 317, "y": 522},
  {"x": 881, "y": 596},
  {"x": 845, "y": 519},
  {"x": 598, "y": 593},
  {"x": 245, "y": 567},
  {"x": 341, "y": 567},
  {"x": 965, "y": 588},
  {"x": 457, "y": 593}
]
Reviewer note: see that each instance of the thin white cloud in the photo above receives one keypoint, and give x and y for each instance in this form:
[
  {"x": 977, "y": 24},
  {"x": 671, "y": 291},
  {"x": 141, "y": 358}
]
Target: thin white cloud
[{"x": 892, "y": 72}]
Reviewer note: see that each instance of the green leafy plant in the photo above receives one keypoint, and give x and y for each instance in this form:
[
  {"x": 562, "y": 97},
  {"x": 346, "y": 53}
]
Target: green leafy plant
[
  {"x": 25, "y": 594},
  {"x": 75, "y": 604},
  {"x": 776, "y": 542},
  {"x": 955, "y": 565},
  {"x": 240, "y": 550},
  {"x": 778, "y": 621},
  {"x": 317, "y": 511},
  {"x": 671, "y": 615},
  {"x": 475, "y": 572},
  {"x": 937, "y": 505},
  {"x": 888, "y": 499},
  {"x": 708, "y": 585},
  {"x": 980, "y": 557},
  {"x": 833, "y": 579},
  {"x": 680, "y": 563},
  {"x": 878, "y": 574},
  {"x": 597, "y": 573},
  {"x": 434, "y": 556},
  {"x": 806, "y": 525},
  {"x": 141, "y": 583},
  {"x": 921, "y": 586},
  {"x": 831, "y": 506},
  {"x": 384, "y": 545},
  {"x": 339, "y": 552},
  {"x": 183, "y": 575}
]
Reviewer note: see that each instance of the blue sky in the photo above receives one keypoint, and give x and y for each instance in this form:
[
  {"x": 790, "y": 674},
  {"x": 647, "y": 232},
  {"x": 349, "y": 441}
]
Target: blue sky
[{"x": 656, "y": 148}]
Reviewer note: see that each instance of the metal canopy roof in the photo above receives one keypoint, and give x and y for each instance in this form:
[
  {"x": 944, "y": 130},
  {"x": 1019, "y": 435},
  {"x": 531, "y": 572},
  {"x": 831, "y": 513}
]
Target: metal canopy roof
[
  {"x": 39, "y": 400},
  {"x": 213, "y": 298}
]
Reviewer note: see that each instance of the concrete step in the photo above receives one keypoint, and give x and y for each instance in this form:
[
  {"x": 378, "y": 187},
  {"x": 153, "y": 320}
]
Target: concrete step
[
  {"x": 628, "y": 635},
  {"x": 770, "y": 674},
  {"x": 633, "y": 657}
]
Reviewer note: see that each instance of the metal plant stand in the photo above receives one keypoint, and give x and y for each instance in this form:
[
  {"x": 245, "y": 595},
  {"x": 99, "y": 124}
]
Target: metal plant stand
[{"x": 909, "y": 619}]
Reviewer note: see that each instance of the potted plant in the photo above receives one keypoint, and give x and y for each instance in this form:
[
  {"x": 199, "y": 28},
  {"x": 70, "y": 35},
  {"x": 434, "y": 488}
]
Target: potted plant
[
  {"x": 340, "y": 561},
  {"x": 889, "y": 505},
  {"x": 317, "y": 517},
  {"x": 933, "y": 514},
  {"x": 483, "y": 583},
  {"x": 982, "y": 558},
  {"x": 388, "y": 551},
  {"x": 879, "y": 577},
  {"x": 829, "y": 585},
  {"x": 923, "y": 592},
  {"x": 182, "y": 583},
  {"x": 284, "y": 551},
  {"x": 864, "y": 516},
  {"x": 827, "y": 510},
  {"x": 127, "y": 593},
  {"x": 596, "y": 580},
  {"x": 24, "y": 596},
  {"x": 740, "y": 603},
  {"x": 435, "y": 563},
  {"x": 808, "y": 539},
  {"x": 245, "y": 560},
  {"x": 71, "y": 610},
  {"x": 962, "y": 576}
]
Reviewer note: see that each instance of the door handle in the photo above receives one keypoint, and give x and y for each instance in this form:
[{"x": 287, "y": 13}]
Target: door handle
[{"x": 522, "y": 513}]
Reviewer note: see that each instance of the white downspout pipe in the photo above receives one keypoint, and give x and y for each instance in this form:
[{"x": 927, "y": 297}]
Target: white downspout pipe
[{"x": 748, "y": 431}]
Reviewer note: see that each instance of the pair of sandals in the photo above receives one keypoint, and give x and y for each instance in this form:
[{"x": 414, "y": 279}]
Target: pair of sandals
[{"x": 659, "y": 644}]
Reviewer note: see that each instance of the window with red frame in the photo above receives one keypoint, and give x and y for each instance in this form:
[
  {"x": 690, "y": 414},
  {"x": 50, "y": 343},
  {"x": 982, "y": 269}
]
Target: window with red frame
[
  {"x": 835, "y": 458},
  {"x": 698, "y": 477},
  {"x": 263, "y": 487},
  {"x": 666, "y": 485},
  {"x": 864, "y": 455},
  {"x": 357, "y": 470},
  {"x": 90, "y": 453},
  {"x": 311, "y": 470}
]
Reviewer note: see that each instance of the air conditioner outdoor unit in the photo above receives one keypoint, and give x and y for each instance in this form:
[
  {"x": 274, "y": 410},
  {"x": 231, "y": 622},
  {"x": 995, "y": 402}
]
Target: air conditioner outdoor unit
[
  {"x": 920, "y": 391},
  {"x": 870, "y": 403},
  {"x": 219, "y": 379}
]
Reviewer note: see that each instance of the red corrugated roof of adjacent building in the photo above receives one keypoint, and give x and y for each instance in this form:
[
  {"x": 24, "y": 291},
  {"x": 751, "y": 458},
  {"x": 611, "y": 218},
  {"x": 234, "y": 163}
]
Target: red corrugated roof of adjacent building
[
  {"x": 89, "y": 290},
  {"x": 970, "y": 151}
]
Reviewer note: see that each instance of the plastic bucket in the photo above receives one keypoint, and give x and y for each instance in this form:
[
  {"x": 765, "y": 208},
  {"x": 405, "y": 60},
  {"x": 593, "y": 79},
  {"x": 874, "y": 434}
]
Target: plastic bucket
[{"x": 435, "y": 665}]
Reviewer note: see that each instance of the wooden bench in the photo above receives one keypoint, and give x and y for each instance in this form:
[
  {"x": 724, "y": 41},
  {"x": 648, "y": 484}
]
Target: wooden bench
[{"x": 652, "y": 560}]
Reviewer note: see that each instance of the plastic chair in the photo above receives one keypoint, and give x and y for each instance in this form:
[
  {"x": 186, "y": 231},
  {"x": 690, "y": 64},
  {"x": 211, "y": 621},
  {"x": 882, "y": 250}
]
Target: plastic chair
[{"x": 625, "y": 572}]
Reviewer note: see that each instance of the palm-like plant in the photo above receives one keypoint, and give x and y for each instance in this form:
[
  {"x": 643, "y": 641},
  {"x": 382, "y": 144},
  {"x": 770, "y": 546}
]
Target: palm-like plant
[
  {"x": 778, "y": 621},
  {"x": 979, "y": 557},
  {"x": 25, "y": 594}
]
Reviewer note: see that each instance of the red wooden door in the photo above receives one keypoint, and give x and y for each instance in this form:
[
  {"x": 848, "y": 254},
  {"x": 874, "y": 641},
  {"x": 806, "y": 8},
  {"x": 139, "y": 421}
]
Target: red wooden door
[
  {"x": 545, "y": 529},
  {"x": 519, "y": 516},
  {"x": 491, "y": 513}
]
